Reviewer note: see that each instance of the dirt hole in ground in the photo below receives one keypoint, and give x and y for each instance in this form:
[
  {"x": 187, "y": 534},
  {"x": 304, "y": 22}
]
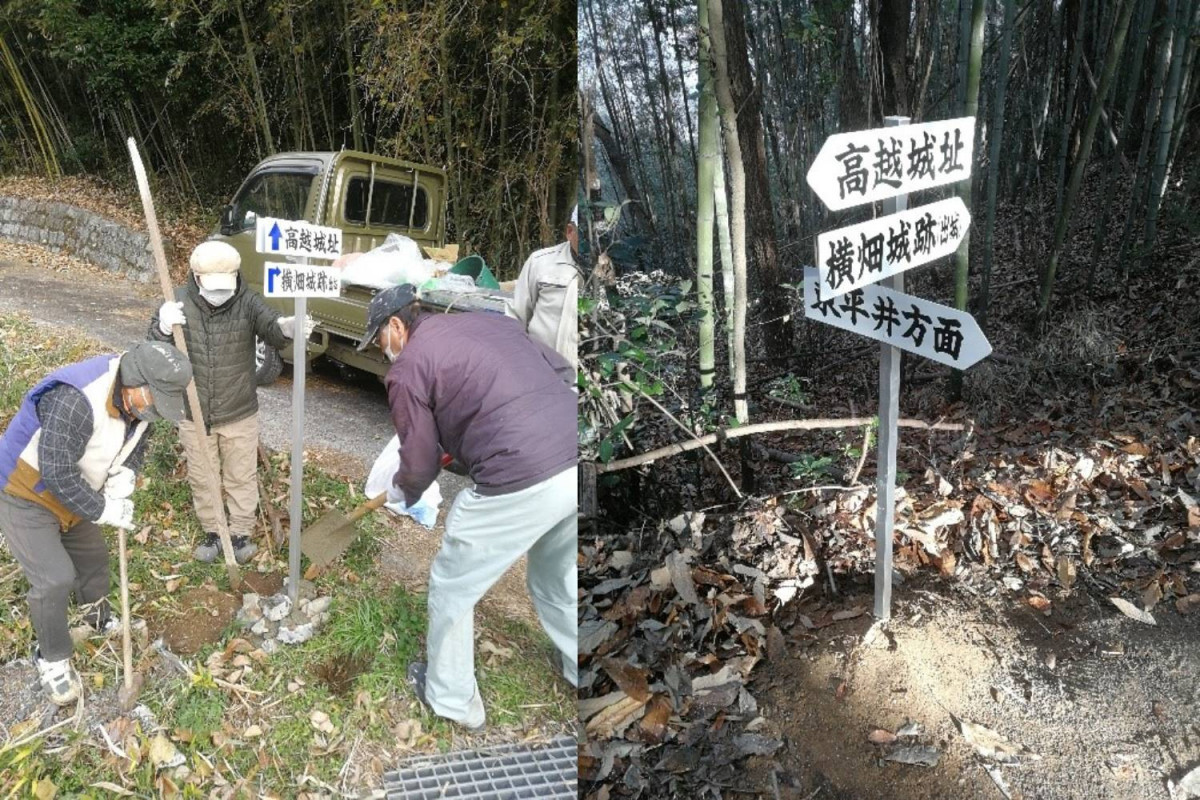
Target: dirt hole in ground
[
  {"x": 340, "y": 672},
  {"x": 264, "y": 584},
  {"x": 202, "y": 615}
]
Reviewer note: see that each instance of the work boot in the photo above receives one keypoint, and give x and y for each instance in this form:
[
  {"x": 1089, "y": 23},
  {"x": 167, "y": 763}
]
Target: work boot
[
  {"x": 59, "y": 679},
  {"x": 416, "y": 679},
  {"x": 243, "y": 548},
  {"x": 208, "y": 550}
]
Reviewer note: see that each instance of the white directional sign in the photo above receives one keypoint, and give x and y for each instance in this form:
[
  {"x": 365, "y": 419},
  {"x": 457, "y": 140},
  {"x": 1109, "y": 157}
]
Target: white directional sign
[
  {"x": 944, "y": 334},
  {"x": 865, "y": 166},
  {"x": 865, "y": 253},
  {"x": 286, "y": 237},
  {"x": 295, "y": 280}
]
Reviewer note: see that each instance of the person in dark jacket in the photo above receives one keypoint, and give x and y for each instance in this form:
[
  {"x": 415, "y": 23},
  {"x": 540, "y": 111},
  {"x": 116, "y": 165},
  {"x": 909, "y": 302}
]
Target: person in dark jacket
[
  {"x": 475, "y": 386},
  {"x": 67, "y": 464},
  {"x": 221, "y": 318}
]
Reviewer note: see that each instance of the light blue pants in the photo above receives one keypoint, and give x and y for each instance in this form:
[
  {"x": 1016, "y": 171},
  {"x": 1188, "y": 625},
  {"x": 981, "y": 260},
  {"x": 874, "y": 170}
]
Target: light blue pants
[{"x": 484, "y": 537}]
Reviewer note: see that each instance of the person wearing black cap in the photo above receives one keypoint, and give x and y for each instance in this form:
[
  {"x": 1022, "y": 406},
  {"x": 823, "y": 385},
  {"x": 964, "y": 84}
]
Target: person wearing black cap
[
  {"x": 475, "y": 386},
  {"x": 67, "y": 466}
]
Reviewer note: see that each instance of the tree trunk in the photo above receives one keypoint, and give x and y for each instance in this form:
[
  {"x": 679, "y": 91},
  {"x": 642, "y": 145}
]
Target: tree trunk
[
  {"x": 1062, "y": 223},
  {"x": 1140, "y": 175},
  {"x": 995, "y": 138},
  {"x": 1134, "y": 72},
  {"x": 893, "y": 46},
  {"x": 620, "y": 165},
  {"x": 970, "y": 106},
  {"x": 705, "y": 170},
  {"x": 777, "y": 327},
  {"x": 1068, "y": 112},
  {"x": 737, "y": 217},
  {"x": 1166, "y": 128},
  {"x": 723, "y": 238},
  {"x": 356, "y": 122},
  {"x": 252, "y": 64}
]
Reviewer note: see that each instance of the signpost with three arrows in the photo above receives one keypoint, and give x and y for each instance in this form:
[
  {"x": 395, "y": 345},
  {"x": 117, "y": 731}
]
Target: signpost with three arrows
[
  {"x": 885, "y": 164},
  {"x": 283, "y": 237}
]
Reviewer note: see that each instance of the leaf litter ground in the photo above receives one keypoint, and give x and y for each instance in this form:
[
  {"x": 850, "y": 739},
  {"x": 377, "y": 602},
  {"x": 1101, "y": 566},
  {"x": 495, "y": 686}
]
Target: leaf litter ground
[{"x": 733, "y": 652}]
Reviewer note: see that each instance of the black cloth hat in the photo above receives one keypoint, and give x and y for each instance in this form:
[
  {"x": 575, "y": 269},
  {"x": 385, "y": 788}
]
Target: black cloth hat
[
  {"x": 164, "y": 369},
  {"x": 383, "y": 306}
]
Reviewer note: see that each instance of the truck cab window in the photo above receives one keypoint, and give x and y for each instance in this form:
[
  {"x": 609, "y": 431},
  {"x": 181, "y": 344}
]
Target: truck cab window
[
  {"x": 390, "y": 204},
  {"x": 271, "y": 194}
]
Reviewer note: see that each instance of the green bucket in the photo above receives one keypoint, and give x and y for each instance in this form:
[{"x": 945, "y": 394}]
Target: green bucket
[{"x": 477, "y": 270}]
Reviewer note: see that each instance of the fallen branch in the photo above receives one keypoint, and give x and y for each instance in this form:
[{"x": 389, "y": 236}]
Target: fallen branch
[{"x": 766, "y": 427}]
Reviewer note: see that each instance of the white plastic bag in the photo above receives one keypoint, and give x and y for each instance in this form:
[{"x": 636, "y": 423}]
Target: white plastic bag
[
  {"x": 398, "y": 260},
  {"x": 425, "y": 510}
]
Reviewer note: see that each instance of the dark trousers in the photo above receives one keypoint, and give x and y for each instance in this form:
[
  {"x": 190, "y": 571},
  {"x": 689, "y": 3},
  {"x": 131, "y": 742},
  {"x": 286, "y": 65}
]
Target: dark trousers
[{"x": 56, "y": 564}]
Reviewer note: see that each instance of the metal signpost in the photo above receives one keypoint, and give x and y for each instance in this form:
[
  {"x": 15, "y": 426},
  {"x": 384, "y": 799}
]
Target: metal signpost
[
  {"x": 282, "y": 237},
  {"x": 885, "y": 164}
]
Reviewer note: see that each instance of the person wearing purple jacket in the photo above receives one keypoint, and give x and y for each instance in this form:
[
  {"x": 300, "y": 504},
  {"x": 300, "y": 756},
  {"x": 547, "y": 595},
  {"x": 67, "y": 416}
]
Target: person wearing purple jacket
[{"x": 475, "y": 386}]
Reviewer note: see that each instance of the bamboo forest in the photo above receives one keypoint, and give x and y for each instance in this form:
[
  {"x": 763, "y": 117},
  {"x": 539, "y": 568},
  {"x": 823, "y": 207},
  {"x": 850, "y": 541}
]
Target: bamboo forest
[{"x": 888, "y": 375}]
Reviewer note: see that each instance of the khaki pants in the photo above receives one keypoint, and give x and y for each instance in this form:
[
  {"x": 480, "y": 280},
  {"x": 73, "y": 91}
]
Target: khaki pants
[{"x": 233, "y": 449}]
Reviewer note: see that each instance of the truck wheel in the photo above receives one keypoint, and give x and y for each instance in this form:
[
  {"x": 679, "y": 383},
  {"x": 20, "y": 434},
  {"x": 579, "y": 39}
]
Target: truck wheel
[{"x": 267, "y": 363}]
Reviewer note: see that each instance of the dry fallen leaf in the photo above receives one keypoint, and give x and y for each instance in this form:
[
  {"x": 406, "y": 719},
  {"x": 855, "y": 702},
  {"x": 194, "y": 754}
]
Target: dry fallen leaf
[
  {"x": 653, "y": 727},
  {"x": 615, "y": 718},
  {"x": 1151, "y": 595},
  {"x": 880, "y": 736},
  {"x": 1066, "y": 572},
  {"x": 253, "y": 732},
  {"x": 990, "y": 744},
  {"x": 1133, "y": 612},
  {"x": 1189, "y": 603},
  {"x": 163, "y": 753}
]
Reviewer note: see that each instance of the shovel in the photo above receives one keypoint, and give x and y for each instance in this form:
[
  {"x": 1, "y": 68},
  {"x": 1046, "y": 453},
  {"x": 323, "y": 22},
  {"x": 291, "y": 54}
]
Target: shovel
[{"x": 329, "y": 536}]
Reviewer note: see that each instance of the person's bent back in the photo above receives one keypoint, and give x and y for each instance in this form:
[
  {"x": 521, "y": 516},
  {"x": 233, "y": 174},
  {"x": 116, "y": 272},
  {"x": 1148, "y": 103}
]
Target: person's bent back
[{"x": 499, "y": 399}]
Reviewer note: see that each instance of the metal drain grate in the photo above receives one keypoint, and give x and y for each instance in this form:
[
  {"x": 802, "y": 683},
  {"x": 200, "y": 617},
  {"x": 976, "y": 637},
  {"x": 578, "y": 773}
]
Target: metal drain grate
[{"x": 507, "y": 772}]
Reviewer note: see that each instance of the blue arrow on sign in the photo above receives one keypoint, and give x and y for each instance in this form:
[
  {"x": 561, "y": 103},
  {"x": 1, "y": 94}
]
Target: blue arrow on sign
[{"x": 275, "y": 235}]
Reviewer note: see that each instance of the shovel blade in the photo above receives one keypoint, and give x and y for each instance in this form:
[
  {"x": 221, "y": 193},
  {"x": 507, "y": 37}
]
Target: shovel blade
[{"x": 328, "y": 538}]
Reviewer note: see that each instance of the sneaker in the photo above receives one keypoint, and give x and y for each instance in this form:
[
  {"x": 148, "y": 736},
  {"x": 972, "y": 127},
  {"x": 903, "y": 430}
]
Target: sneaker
[
  {"x": 208, "y": 550},
  {"x": 416, "y": 679},
  {"x": 59, "y": 679},
  {"x": 243, "y": 548}
]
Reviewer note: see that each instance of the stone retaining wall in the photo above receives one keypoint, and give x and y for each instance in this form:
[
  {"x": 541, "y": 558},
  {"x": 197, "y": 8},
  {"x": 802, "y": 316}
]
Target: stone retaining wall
[{"x": 80, "y": 233}]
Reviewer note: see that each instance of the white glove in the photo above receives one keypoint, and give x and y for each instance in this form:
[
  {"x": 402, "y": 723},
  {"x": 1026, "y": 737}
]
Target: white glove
[
  {"x": 396, "y": 495},
  {"x": 288, "y": 326},
  {"x": 169, "y": 315},
  {"x": 118, "y": 513},
  {"x": 120, "y": 484}
]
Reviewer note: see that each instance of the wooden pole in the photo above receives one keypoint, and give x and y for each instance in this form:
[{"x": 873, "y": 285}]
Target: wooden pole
[{"x": 160, "y": 261}]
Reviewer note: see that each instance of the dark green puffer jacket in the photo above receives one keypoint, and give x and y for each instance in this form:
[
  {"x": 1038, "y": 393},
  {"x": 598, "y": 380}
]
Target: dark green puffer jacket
[{"x": 220, "y": 344}]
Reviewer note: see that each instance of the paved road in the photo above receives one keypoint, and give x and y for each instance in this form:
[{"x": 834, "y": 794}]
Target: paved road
[{"x": 346, "y": 417}]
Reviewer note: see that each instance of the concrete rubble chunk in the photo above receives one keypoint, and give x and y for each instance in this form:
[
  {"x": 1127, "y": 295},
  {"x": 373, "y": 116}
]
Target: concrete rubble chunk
[
  {"x": 276, "y": 607},
  {"x": 301, "y": 633}
]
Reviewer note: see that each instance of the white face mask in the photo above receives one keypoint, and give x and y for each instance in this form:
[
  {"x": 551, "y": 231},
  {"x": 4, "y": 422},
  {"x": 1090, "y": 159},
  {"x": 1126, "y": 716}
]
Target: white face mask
[
  {"x": 387, "y": 352},
  {"x": 216, "y": 297}
]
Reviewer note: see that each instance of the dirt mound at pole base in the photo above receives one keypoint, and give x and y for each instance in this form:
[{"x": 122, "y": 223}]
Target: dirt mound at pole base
[{"x": 202, "y": 616}]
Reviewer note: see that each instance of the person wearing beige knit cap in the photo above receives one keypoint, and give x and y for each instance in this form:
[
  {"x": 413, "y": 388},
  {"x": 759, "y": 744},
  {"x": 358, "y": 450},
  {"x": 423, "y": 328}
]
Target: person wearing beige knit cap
[{"x": 221, "y": 318}]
